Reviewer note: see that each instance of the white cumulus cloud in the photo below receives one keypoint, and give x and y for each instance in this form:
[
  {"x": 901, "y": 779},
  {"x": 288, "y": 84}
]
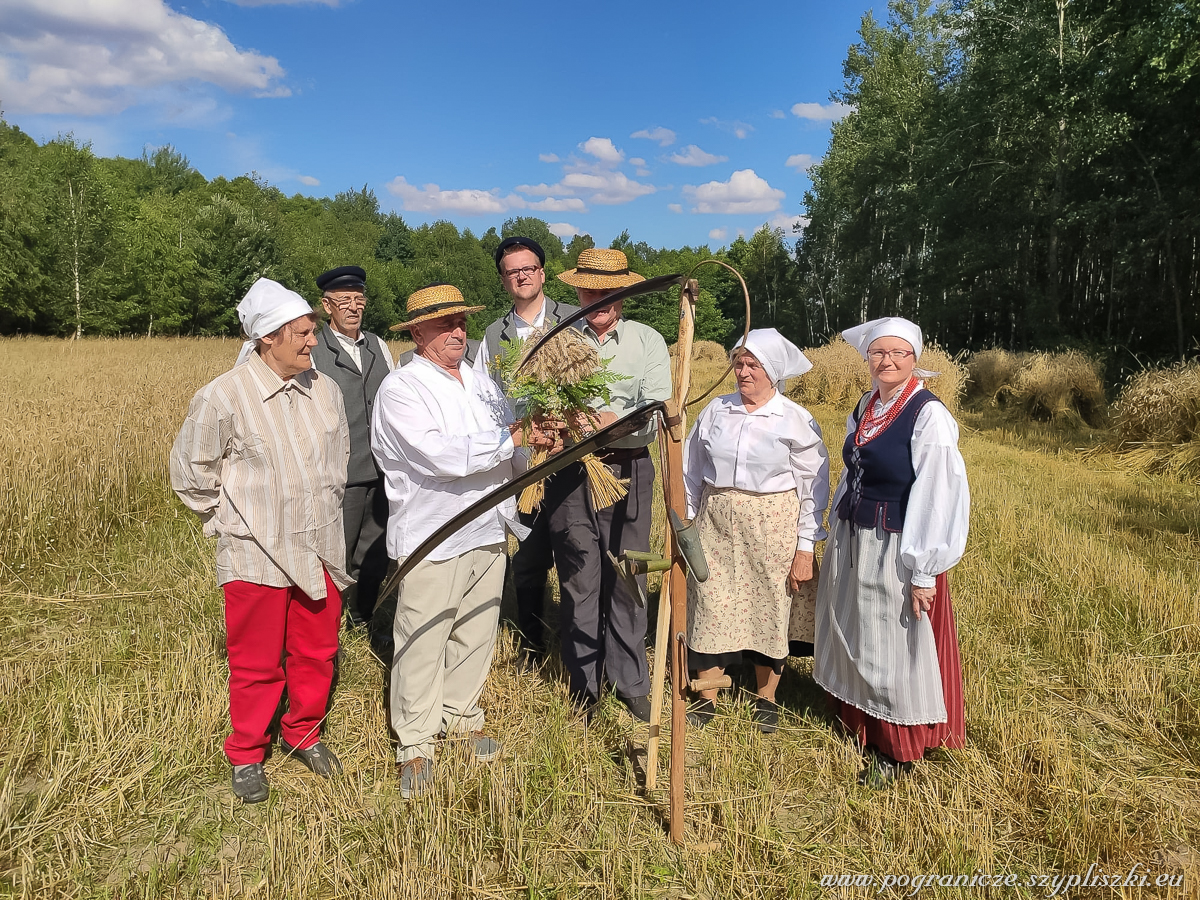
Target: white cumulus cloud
[
  {"x": 90, "y": 58},
  {"x": 691, "y": 155},
  {"x": 788, "y": 224},
  {"x": 602, "y": 149},
  {"x": 718, "y": 234},
  {"x": 744, "y": 192},
  {"x": 778, "y": 114},
  {"x": 474, "y": 202},
  {"x": 308, "y": 180},
  {"x": 675, "y": 207},
  {"x": 548, "y": 157},
  {"x": 821, "y": 112},
  {"x": 802, "y": 162},
  {"x": 563, "y": 230},
  {"x": 664, "y": 137}
]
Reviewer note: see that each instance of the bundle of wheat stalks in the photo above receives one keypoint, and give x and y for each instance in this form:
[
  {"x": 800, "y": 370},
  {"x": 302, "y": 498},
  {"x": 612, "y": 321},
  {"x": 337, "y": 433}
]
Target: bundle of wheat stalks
[{"x": 559, "y": 384}]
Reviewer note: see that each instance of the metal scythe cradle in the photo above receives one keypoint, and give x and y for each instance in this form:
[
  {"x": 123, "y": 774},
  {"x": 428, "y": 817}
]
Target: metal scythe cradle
[{"x": 672, "y": 629}]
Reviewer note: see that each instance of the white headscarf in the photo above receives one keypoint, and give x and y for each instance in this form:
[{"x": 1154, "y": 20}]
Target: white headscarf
[
  {"x": 267, "y": 306},
  {"x": 779, "y": 357},
  {"x": 860, "y": 337}
]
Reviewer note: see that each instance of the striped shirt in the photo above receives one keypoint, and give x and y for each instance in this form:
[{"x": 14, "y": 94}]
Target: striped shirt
[{"x": 262, "y": 462}]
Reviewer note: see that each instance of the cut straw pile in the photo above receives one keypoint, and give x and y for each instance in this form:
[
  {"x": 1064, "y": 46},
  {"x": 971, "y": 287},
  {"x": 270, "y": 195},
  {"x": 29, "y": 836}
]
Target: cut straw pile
[
  {"x": 1056, "y": 387},
  {"x": 1158, "y": 421},
  {"x": 558, "y": 383}
]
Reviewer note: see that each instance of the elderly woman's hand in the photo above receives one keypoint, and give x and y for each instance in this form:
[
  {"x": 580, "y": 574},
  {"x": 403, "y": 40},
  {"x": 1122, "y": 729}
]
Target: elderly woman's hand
[
  {"x": 801, "y": 571},
  {"x": 922, "y": 599}
]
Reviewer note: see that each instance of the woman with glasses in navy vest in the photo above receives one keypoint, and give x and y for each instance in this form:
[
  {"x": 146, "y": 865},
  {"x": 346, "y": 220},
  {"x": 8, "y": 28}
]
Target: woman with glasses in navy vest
[{"x": 886, "y": 648}]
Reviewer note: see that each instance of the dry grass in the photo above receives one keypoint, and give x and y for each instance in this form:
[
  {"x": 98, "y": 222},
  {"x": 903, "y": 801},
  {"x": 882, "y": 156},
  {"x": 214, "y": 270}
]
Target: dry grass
[
  {"x": 1077, "y": 608},
  {"x": 1056, "y": 387}
]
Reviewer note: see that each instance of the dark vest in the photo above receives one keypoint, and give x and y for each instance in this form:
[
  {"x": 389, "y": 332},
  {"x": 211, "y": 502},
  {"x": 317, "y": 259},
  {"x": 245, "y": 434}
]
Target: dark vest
[
  {"x": 505, "y": 328},
  {"x": 880, "y": 474},
  {"x": 358, "y": 393}
]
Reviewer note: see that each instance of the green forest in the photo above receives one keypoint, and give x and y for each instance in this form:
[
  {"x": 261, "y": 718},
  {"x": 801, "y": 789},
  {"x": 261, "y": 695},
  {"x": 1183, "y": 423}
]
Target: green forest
[{"x": 1021, "y": 174}]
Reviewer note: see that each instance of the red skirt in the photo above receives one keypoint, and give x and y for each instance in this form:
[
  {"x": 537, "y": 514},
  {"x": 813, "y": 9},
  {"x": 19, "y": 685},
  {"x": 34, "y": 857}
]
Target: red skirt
[{"x": 906, "y": 743}]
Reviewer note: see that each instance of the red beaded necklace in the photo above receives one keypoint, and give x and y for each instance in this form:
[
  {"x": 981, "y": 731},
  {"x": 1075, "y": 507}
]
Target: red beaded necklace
[{"x": 877, "y": 425}]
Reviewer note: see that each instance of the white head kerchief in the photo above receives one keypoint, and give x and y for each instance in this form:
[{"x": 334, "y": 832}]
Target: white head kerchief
[
  {"x": 860, "y": 337},
  {"x": 779, "y": 357},
  {"x": 267, "y": 306}
]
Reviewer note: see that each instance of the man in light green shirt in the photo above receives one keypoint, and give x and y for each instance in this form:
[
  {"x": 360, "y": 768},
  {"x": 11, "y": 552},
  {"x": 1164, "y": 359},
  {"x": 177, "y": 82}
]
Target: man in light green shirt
[{"x": 603, "y": 627}]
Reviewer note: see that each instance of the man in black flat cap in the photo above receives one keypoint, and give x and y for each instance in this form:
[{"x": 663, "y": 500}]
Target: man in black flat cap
[
  {"x": 521, "y": 264},
  {"x": 358, "y": 362}
]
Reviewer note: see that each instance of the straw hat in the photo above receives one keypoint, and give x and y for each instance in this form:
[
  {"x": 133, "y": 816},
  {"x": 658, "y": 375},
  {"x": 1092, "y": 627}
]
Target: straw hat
[
  {"x": 601, "y": 270},
  {"x": 433, "y": 302}
]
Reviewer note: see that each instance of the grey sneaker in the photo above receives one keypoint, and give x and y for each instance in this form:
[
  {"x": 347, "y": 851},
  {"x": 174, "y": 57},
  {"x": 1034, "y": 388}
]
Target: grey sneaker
[
  {"x": 250, "y": 783},
  {"x": 416, "y": 777},
  {"x": 485, "y": 748}
]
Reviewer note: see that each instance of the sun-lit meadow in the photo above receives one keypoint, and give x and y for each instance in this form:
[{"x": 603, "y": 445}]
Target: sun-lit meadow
[{"x": 1078, "y": 608}]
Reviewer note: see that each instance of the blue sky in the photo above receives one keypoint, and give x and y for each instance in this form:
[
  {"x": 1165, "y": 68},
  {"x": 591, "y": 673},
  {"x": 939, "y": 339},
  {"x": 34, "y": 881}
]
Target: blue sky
[{"x": 685, "y": 123}]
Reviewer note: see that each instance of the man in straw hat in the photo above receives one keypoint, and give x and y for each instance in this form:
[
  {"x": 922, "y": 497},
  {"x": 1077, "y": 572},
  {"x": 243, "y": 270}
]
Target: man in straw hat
[
  {"x": 261, "y": 459},
  {"x": 521, "y": 261},
  {"x": 444, "y": 437},
  {"x": 357, "y": 361},
  {"x": 603, "y": 627}
]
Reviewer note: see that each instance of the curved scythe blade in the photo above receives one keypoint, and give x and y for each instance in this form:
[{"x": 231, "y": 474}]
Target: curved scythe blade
[
  {"x": 649, "y": 286},
  {"x": 623, "y": 427}
]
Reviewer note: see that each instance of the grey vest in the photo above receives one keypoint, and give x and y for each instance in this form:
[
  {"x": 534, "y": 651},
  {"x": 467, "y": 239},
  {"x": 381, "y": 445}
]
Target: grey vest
[
  {"x": 505, "y": 329},
  {"x": 358, "y": 393}
]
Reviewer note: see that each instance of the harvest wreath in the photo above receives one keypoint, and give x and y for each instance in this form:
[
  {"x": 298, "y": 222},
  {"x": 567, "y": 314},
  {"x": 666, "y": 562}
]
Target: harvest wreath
[{"x": 559, "y": 386}]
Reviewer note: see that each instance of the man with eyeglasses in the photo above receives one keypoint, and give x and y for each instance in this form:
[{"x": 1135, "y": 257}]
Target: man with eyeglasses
[
  {"x": 357, "y": 361},
  {"x": 521, "y": 263}
]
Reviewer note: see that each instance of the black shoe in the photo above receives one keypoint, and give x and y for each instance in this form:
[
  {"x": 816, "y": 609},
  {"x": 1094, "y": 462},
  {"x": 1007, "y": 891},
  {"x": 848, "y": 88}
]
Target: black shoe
[
  {"x": 319, "y": 759},
  {"x": 701, "y": 712},
  {"x": 250, "y": 783},
  {"x": 639, "y": 707},
  {"x": 881, "y": 770},
  {"x": 766, "y": 714}
]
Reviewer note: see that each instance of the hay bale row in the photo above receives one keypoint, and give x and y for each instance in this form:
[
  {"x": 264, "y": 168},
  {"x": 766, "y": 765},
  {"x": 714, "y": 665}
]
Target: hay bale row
[{"x": 1067, "y": 387}]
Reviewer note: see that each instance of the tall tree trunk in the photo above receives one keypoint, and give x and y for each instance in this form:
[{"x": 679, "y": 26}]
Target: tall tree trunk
[{"x": 75, "y": 257}]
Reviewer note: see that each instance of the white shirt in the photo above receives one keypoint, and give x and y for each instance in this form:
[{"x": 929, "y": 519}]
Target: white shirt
[
  {"x": 483, "y": 359},
  {"x": 939, "y": 505},
  {"x": 442, "y": 445},
  {"x": 354, "y": 347},
  {"x": 777, "y": 447}
]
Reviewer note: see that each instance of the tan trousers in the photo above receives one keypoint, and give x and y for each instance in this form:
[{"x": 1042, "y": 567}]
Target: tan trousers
[{"x": 447, "y": 613}]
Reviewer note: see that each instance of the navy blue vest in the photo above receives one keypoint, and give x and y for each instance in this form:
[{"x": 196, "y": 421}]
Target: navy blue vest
[{"x": 880, "y": 473}]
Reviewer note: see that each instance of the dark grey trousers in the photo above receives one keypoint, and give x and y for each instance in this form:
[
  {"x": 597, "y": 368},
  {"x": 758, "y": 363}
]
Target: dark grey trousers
[
  {"x": 365, "y": 511},
  {"x": 530, "y": 566},
  {"x": 603, "y": 627}
]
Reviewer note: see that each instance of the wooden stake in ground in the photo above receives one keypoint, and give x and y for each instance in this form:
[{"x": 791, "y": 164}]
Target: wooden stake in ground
[{"x": 670, "y": 435}]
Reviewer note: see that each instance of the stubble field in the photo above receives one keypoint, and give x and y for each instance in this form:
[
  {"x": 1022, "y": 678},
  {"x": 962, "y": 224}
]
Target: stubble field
[{"x": 1078, "y": 606}]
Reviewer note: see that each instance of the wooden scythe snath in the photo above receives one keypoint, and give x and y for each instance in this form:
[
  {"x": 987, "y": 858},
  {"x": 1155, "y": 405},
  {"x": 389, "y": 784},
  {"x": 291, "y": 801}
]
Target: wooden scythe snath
[{"x": 672, "y": 619}]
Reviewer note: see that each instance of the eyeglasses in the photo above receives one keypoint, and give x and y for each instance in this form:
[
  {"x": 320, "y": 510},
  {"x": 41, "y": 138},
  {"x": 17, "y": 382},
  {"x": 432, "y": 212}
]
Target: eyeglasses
[
  {"x": 878, "y": 356},
  {"x": 348, "y": 302},
  {"x": 527, "y": 271}
]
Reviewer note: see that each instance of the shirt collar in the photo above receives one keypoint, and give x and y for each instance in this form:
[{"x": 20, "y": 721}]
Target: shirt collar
[
  {"x": 773, "y": 407},
  {"x": 269, "y": 382},
  {"x": 537, "y": 320},
  {"x": 349, "y": 341},
  {"x": 463, "y": 369},
  {"x": 614, "y": 332}
]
